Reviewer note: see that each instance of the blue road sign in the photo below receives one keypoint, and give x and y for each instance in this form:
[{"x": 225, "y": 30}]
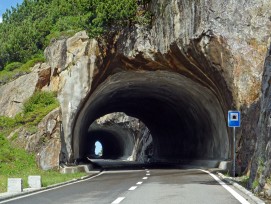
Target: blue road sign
[{"x": 234, "y": 118}]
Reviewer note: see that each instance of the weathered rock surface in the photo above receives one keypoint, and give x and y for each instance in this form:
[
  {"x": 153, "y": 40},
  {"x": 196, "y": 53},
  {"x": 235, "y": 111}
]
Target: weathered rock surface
[
  {"x": 44, "y": 140},
  {"x": 14, "y": 93},
  {"x": 261, "y": 163},
  {"x": 73, "y": 62}
]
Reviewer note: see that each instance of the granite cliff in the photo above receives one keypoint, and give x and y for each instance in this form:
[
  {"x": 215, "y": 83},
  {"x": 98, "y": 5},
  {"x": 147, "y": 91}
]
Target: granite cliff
[{"x": 179, "y": 75}]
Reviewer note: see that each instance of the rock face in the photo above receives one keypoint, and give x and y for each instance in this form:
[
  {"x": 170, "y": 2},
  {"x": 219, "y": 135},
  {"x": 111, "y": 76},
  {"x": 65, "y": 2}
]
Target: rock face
[
  {"x": 44, "y": 140},
  {"x": 13, "y": 94},
  {"x": 261, "y": 163},
  {"x": 73, "y": 63}
]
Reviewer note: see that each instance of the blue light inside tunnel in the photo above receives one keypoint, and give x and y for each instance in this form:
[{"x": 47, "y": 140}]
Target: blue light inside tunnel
[{"x": 98, "y": 148}]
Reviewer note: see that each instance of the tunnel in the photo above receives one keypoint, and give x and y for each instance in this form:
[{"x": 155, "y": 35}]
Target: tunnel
[
  {"x": 116, "y": 141},
  {"x": 186, "y": 120}
]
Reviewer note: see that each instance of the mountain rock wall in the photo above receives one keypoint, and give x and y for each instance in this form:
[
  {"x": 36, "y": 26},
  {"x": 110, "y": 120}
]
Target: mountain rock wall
[{"x": 221, "y": 45}]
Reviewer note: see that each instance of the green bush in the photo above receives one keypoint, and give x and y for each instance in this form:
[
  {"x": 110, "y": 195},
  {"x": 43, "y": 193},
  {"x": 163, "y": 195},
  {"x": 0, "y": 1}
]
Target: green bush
[
  {"x": 28, "y": 28},
  {"x": 6, "y": 122},
  {"x": 30, "y": 63},
  {"x": 12, "y": 66},
  {"x": 38, "y": 106},
  {"x": 38, "y": 101},
  {"x": 34, "y": 110},
  {"x": 255, "y": 184},
  {"x": 13, "y": 70}
]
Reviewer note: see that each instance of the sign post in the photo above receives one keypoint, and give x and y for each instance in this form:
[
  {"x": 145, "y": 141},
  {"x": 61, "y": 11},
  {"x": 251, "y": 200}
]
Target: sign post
[{"x": 234, "y": 120}]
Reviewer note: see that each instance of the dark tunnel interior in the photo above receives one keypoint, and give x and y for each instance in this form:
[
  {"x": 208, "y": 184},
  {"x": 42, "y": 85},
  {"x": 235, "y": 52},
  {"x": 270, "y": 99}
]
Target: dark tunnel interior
[
  {"x": 116, "y": 144},
  {"x": 185, "y": 119}
]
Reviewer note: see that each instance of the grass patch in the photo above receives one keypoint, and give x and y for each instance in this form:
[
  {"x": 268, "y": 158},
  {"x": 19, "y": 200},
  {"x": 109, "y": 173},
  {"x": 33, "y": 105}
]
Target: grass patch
[
  {"x": 244, "y": 181},
  {"x": 17, "y": 163},
  {"x": 255, "y": 184},
  {"x": 34, "y": 110},
  {"x": 17, "y": 69},
  {"x": 227, "y": 174}
]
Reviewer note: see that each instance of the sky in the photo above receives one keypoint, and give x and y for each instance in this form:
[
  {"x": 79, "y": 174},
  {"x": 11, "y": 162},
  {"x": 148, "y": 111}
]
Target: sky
[
  {"x": 6, "y": 4},
  {"x": 98, "y": 147}
]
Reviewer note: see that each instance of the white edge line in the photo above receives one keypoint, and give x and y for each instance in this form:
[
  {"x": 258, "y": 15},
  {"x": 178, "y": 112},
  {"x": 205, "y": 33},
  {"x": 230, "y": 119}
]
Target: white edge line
[
  {"x": 132, "y": 188},
  {"x": 240, "y": 198},
  {"x": 52, "y": 188},
  {"x": 122, "y": 171},
  {"x": 118, "y": 200}
]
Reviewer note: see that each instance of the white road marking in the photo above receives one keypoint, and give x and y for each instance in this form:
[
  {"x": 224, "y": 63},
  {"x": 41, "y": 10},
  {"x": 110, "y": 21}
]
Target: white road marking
[
  {"x": 139, "y": 183},
  {"x": 233, "y": 192},
  {"x": 132, "y": 188},
  {"x": 145, "y": 178},
  {"x": 148, "y": 171},
  {"x": 52, "y": 188},
  {"x": 147, "y": 174},
  {"x": 118, "y": 200},
  {"x": 122, "y": 171}
]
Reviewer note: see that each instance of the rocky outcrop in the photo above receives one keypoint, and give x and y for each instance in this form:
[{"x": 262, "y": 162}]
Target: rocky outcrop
[
  {"x": 74, "y": 64},
  {"x": 261, "y": 163},
  {"x": 43, "y": 140},
  {"x": 14, "y": 93}
]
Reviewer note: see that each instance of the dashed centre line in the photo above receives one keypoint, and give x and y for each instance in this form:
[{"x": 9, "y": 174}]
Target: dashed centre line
[
  {"x": 118, "y": 200},
  {"x": 132, "y": 188}
]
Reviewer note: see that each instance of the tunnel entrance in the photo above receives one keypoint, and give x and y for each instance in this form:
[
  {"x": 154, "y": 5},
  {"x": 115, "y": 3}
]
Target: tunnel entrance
[
  {"x": 185, "y": 119},
  {"x": 121, "y": 137}
]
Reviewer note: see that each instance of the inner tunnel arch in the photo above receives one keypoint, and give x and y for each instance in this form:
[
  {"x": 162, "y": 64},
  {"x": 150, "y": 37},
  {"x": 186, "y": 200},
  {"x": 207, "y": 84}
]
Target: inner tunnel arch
[{"x": 185, "y": 118}]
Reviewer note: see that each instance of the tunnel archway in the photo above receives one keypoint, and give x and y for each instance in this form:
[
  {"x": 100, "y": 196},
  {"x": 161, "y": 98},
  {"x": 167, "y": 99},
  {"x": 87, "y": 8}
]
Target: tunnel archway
[{"x": 185, "y": 118}]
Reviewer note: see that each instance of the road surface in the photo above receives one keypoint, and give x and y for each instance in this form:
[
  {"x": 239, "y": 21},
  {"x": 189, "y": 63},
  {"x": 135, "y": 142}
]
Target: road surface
[{"x": 153, "y": 186}]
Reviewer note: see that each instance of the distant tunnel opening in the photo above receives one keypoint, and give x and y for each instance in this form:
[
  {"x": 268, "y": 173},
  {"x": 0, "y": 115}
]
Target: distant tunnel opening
[
  {"x": 185, "y": 118},
  {"x": 98, "y": 149}
]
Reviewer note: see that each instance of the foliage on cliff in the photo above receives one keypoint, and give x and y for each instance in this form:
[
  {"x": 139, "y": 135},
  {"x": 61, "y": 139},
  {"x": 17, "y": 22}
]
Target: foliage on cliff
[
  {"x": 27, "y": 29},
  {"x": 36, "y": 108}
]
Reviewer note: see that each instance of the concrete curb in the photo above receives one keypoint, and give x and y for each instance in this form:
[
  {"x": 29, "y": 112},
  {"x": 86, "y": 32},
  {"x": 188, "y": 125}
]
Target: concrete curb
[
  {"x": 241, "y": 188},
  {"x": 30, "y": 191}
]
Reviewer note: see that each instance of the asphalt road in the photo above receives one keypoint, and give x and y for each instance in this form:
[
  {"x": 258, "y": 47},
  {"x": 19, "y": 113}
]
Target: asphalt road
[{"x": 163, "y": 186}]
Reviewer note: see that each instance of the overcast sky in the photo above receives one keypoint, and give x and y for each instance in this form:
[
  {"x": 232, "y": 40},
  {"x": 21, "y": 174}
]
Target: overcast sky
[{"x": 6, "y": 4}]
